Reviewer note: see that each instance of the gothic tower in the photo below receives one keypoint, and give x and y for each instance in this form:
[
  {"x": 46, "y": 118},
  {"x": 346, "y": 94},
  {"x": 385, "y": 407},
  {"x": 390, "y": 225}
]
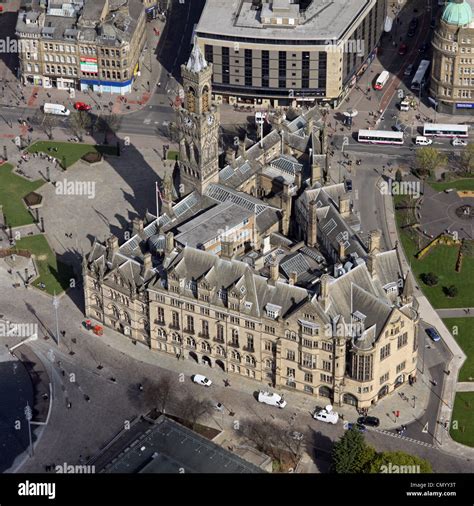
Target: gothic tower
[{"x": 198, "y": 122}]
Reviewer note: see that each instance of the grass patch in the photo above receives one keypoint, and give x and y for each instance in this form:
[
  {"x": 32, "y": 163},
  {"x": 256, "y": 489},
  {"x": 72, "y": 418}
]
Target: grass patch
[
  {"x": 172, "y": 155},
  {"x": 441, "y": 260},
  {"x": 55, "y": 275},
  {"x": 457, "y": 184},
  {"x": 463, "y": 331},
  {"x": 69, "y": 153},
  {"x": 12, "y": 190},
  {"x": 462, "y": 428}
]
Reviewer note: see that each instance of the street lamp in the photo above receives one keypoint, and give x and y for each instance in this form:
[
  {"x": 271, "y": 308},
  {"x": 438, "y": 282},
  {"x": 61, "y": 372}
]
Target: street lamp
[
  {"x": 29, "y": 416},
  {"x": 56, "y": 305},
  {"x": 34, "y": 337}
]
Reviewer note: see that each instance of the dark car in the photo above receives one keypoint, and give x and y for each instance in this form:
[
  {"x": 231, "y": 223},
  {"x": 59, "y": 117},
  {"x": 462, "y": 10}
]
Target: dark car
[
  {"x": 423, "y": 48},
  {"x": 433, "y": 334},
  {"x": 403, "y": 49},
  {"x": 357, "y": 426},
  {"x": 411, "y": 32},
  {"x": 433, "y": 23},
  {"x": 348, "y": 185},
  {"x": 413, "y": 24},
  {"x": 370, "y": 421}
]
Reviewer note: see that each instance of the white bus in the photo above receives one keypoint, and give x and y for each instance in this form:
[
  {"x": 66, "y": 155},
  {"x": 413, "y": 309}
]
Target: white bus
[
  {"x": 382, "y": 80},
  {"x": 380, "y": 137},
  {"x": 420, "y": 75},
  {"x": 440, "y": 130}
]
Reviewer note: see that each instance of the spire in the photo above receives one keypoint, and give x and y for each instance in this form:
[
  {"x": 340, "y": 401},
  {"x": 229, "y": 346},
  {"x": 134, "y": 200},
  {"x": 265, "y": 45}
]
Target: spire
[{"x": 196, "y": 62}]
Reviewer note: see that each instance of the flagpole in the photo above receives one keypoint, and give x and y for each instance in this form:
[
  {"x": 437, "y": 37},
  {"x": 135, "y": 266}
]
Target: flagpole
[{"x": 157, "y": 203}]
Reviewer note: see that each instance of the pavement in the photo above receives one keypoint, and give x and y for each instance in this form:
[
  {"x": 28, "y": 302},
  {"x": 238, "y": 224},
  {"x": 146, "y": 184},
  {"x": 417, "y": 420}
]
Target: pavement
[
  {"x": 449, "y": 386},
  {"x": 465, "y": 312}
]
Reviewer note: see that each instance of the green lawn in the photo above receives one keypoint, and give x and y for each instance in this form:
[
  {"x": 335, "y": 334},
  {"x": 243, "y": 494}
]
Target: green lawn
[
  {"x": 12, "y": 189},
  {"x": 463, "y": 331},
  {"x": 172, "y": 155},
  {"x": 459, "y": 184},
  {"x": 462, "y": 426},
  {"x": 69, "y": 152},
  {"x": 441, "y": 260},
  {"x": 55, "y": 275}
]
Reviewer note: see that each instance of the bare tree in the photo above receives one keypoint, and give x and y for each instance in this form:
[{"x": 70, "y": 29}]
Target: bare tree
[
  {"x": 193, "y": 409},
  {"x": 159, "y": 393},
  {"x": 48, "y": 123},
  {"x": 277, "y": 441},
  {"x": 79, "y": 123}
]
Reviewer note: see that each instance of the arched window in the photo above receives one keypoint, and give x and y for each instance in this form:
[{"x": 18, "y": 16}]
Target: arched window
[
  {"x": 126, "y": 317},
  {"x": 205, "y": 99},
  {"x": 191, "y": 100}
]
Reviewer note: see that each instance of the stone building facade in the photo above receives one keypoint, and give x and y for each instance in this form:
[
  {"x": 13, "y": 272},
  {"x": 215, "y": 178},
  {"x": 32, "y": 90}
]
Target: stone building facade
[{"x": 452, "y": 74}]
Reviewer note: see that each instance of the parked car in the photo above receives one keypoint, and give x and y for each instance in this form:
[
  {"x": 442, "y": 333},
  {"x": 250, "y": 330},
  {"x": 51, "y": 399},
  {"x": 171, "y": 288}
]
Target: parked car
[
  {"x": 433, "y": 23},
  {"x": 403, "y": 49},
  {"x": 411, "y": 32},
  {"x": 81, "y": 106},
  {"x": 202, "y": 380},
  {"x": 272, "y": 399},
  {"x": 326, "y": 415},
  {"x": 422, "y": 141},
  {"x": 369, "y": 421},
  {"x": 413, "y": 24},
  {"x": 348, "y": 185},
  {"x": 433, "y": 334},
  {"x": 357, "y": 426},
  {"x": 297, "y": 436},
  {"x": 423, "y": 48},
  {"x": 458, "y": 142},
  {"x": 409, "y": 70}
]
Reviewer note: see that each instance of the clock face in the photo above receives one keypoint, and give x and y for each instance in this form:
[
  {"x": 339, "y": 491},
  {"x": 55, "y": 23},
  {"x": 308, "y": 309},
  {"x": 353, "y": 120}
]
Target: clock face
[
  {"x": 210, "y": 119},
  {"x": 188, "y": 122}
]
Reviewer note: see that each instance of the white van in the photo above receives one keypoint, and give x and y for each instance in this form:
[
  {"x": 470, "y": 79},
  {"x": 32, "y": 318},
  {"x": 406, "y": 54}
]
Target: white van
[
  {"x": 271, "y": 399},
  {"x": 405, "y": 105},
  {"x": 326, "y": 415},
  {"x": 423, "y": 141},
  {"x": 57, "y": 109}
]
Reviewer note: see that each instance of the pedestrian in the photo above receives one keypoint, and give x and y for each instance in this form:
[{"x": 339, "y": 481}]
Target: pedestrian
[{"x": 69, "y": 405}]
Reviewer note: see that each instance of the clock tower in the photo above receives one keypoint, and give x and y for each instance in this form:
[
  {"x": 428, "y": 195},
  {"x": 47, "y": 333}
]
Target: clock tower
[{"x": 198, "y": 122}]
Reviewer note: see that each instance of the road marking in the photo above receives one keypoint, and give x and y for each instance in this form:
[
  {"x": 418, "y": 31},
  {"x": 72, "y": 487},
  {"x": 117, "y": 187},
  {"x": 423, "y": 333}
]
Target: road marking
[{"x": 411, "y": 440}]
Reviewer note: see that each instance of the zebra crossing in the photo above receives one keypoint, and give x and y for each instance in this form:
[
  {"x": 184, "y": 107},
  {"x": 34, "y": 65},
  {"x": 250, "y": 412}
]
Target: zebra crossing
[{"x": 405, "y": 438}]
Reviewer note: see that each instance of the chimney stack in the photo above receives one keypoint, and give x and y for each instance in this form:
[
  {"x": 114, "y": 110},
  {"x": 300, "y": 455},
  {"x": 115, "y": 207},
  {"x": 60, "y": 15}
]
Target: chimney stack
[
  {"x": 324, "y": 290},
  {"x": 169, "y": 245},
  {"x": 230, "y": 156},
  {"x": 344, "y": 206},
  {"x": 227, "y": 248},
  {"x": 342, "y": 251},
  {"x": 375, "y": 238},
  {"x": 147, "y": 262},
  {"x": 293, "y": 278},
  {"x": 137, "y": 226},
  {"x": 312, "y": 225},
  {"x": 371, "y": 264},
  {"x": 113, "y": 243},
  {"x": 274, "y": 271}
]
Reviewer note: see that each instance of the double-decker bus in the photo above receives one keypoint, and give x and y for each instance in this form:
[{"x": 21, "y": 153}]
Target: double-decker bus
[
  {"x": 382, "y": 80},
  {"x": 380, "y": 137},
  {"x": 420, "y": 75},
  {"x": 440, "y": 130}
]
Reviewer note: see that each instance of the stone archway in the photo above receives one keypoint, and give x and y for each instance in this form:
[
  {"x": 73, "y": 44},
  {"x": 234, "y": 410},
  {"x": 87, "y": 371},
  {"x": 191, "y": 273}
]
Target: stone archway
[
  {"x": 383, "y": 392},
  {"x": 325, "y": 391},
  {"x": 350, "y": 399},
  {"x": 220, "y": 364},
  {"x": 206, "y": 360},
  {"x": 193, "y": 355}
]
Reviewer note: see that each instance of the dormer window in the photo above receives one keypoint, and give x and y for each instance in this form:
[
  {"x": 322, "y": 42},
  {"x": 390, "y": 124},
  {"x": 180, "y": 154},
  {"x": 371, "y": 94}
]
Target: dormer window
[
  {"x": 222, "y": 294},
  {"x": 391, "y": 288},
  {"x": 273, "y": 311},
  {"x": 358, "y": 316}
]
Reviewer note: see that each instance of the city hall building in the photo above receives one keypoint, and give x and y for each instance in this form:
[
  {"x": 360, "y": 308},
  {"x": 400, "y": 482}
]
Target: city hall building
[
  {"x": 452, "y": 75},
  {"x": 279, "y": 51},
  {"x": 84, "y": 45}
]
